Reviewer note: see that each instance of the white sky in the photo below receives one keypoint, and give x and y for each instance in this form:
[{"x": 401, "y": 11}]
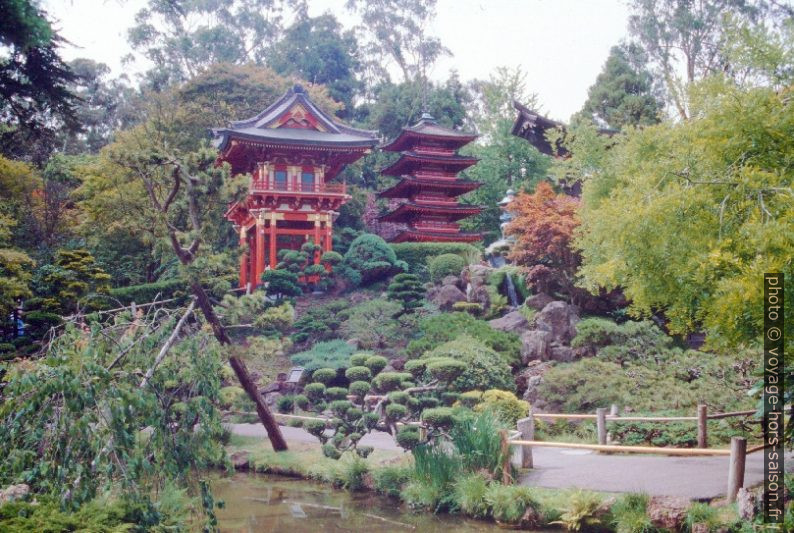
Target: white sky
[{"x": 560, "y": 44}]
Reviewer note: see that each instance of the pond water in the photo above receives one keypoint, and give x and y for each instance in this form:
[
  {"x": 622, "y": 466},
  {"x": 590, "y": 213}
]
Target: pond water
[{"x": 257, "y": 503}]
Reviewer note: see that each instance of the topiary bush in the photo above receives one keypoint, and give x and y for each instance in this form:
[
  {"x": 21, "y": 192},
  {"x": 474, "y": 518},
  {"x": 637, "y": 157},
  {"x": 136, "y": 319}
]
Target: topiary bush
[
  {"x": 485, "y": 369},
  {"x": 376, "y": 363},
  {"x": 418, "y": 254},
  {"x": 445, "y": 265},
  {"x": 407, "y": 290},
  {"x": 373, "y": 323},
  {"x": 358, "y": 373},
  {"x": 319, "y": 323},
  {"x": 324, "y": 376},
  {"x": 369, "y": 259}
]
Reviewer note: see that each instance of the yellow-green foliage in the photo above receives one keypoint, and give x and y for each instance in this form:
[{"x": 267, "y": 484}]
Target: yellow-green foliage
[
  {"x": 230, "y": 396},
  {"x": 485, "y": 369},
  {"x": 505, "y": 405},
  {"x": 582, "y": 512}
]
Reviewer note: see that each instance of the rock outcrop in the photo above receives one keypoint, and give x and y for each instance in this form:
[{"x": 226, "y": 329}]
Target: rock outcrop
[
  {"x": 513, "y": 322},
  {"x": 559, "y": 319},
  {"x": 538, "y": 301},
  {"x": 446, "y": 296}
]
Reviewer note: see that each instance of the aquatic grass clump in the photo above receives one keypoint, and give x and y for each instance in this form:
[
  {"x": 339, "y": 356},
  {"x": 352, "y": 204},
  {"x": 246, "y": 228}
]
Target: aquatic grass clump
[
  {"x": 509, "y": 503},
  {"x": 630, "y": 514},
  {"x": 702, "y": 513},
  {"x": 469, "y": 494},
  {"x": 390, "y": 480},
  {"x": 476, "y": 441},
  {"x": 583, "y": 512}
]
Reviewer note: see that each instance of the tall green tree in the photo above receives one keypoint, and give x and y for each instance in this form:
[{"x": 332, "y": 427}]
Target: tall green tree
[
  {"x": 506, "y": 161},
  {"x": 35, "y": 99},
  {"x": 182, "y": 37},
  {"x": 688, "y": 37},
  {"x": 624, "y": 93},
  {"x": 319, "y": 51}
]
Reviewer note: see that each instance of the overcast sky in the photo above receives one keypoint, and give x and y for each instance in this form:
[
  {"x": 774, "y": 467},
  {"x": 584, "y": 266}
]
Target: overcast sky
[{"x": 560, "y": 44}]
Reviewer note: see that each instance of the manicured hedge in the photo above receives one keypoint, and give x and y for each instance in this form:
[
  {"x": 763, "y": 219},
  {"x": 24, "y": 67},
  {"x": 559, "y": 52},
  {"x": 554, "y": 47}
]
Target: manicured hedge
[
  {"x": 416, "y": 254},
  {"x": 147, "y": 292}
]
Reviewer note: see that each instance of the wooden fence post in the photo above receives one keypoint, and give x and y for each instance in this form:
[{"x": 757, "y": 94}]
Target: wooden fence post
[
  {"x": 703, "y": 440},
  {"x": 527, "y": 428},
  {"x": 506, "y": 477},
  {"x": 736, "y": 467},
  {"x": 601, "y": 424}
]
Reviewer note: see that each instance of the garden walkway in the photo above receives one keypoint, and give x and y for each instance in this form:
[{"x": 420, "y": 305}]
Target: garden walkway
[{"x": 689, "y": 477}]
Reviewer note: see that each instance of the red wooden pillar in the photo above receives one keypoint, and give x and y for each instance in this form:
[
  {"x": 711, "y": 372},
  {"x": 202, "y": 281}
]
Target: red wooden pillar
[
  {"x": 317, "y": 241},
  {"x": 243, "y": 260},
  {"x": 273, "y": 236},
  {"x": 329, "y": 235},
  {"x": 259, "y": 262}
]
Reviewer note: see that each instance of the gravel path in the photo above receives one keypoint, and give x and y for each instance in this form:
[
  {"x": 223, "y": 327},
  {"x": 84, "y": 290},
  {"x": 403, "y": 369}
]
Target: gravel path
[{"x": 688, "y": 477}]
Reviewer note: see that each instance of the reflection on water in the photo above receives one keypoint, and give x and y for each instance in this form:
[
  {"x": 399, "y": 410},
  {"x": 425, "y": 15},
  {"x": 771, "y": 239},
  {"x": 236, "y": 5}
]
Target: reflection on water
[{"x": 258, "y": 503}]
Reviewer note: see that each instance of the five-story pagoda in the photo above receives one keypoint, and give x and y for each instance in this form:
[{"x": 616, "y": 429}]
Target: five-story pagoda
[
  {"x": 292, "y": 150},
  {"x": 428, "y": 168}
]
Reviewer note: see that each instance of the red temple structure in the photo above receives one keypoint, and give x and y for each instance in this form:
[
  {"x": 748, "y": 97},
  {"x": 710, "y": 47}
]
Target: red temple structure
[
  {"x": 428, "y": 168},
  {"x": 292, "y": 150}
]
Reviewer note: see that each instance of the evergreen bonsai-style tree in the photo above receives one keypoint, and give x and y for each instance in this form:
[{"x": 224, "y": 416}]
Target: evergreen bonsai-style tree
[{"x": 407, "y": 290}]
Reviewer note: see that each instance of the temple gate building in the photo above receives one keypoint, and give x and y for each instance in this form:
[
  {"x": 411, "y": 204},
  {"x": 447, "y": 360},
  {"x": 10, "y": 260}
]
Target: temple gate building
[
  {"x": 293, "y": 150},
  {"x": 427, "y": 167}
]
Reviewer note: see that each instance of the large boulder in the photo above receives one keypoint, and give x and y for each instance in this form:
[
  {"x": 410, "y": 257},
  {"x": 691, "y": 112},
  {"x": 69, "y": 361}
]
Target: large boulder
[
  {"x": 446, "y": 296},
  {"x": 563, "y": 354},
  {"x": 450, "y": 280},
  {"x": 529, "y": 379},
  {"x": 668, "y": 512},
  {"x": 476, "y": 275},
  {"x": 480, "y": 295},
  {"x": 511, "y": 322},
  {"x": 538, "y": 301},
  {"x": 535, "y": 345},
  {"x": 559, "y": 319}
]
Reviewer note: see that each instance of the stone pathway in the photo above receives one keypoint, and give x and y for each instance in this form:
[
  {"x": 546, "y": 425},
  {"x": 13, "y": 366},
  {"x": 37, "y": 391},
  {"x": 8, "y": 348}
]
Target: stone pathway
[{"x": 697, "y": 478}]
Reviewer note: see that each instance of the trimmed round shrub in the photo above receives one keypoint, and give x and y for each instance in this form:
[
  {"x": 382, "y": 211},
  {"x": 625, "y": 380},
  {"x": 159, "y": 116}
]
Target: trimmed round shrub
[
  {"x": 445, "y": 369},
  {"x": 331, "y": 258},
  {"x": 485, "y": 369},
  {"x": 470, "y": 398},
  {"x": 359, "y": 388},
  {"x": 399, "y": 397},
  {"x": 314, "y": 391},
  {"x": 416, "y": 367},
  {"x": 395, "y": 411},
  {"x": 340, "y": 407},
  {"x": 428, "y": 402},
  {"x": 324, "y": 375},
  {"x": 376, "y": 363},
  {"x": 330, "y": 451},
  {"x": 389, "y": 381},
  {"x": 371, "y": 257},
  {"x": 354, "y": 413},
  {"x": 336, "y": 393},
  {"x": 445, "y": 265},
  {"x": 370, "y": 420},
  {"x": 301, "y": 401},
  {"x": 440, "y": 417},
  {"x": 285, "y": 404},
  {"x": 449, "y": 398},
  {"x": 473, "y": 308},
  {"x": 364, "y": 451},
  {"x": 408, "y": 437},
  {"x": 360, "y": 358},
  {"x": 358, "y": 373},
  {"x": 314, "y": 427}
]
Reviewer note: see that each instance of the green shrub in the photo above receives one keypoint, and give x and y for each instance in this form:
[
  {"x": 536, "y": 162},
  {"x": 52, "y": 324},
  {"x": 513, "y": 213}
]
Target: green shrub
[
  {"x": 477, "y": 443},
  {"x": 497, "y": 280},
  {"x": 399, "y": 397},
  {"x": 373, "y": 324},
  {"x": 702, "y": 513},
  {"x": 395, "y": 411},
  {"x": 439, "y": 417},
  {"x": 629, "y": 514},
  {"x": 470, "y": 398},
  {"x": 370, "y": 258},
  {"x": 438, "y": 329},
  {"x": 509, "y": 502},
  {"x": 422, "y": 496},
  {"x": 360, "y": 388},
  {"x": 314, "y": 427},
  {"x": 353, "y": 471},
  {"x": 418, "y": 254},
  {"x": 582, "y": 511},
  {"x": 147, "y": 292},
  {"x": 358, "y": 373},
  {"x": 324, "y": 375},
  {"x": 331, "y": 258},
  {"x": 390, "y": 480},
  {"x": 472, "y": 308},
  {"x": 315, "y": 391},
  {"x": 485, "y": 369},
  {"x": 360, "y": 358},
  {"x": 389, "y": 381},
  {"x": 38, "y": 323},
  {"x": 408, "y": 437},
  {"x": 319, "y": 323},
  {"x": 229, "y": 396},
  {"x": 335, "y": 393},
  {"x": 416, "y": 367},
  {"x": 328, "y": 354},
  {"x": 445, "y": 369},
  {"x": 285, "y": 404},
  {"x": 407, "y": 290},
  {"x": 445, "y": 265},
  {"x": 340, "y": 407},
  {"x": 469, "y": 493},
  {"x": 376, "y": 363},
  {"x": 504, "y": 405}
]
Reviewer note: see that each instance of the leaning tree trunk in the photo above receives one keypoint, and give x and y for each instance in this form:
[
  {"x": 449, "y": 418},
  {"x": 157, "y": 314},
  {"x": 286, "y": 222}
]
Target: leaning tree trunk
[{"x": 265, "y": 416}]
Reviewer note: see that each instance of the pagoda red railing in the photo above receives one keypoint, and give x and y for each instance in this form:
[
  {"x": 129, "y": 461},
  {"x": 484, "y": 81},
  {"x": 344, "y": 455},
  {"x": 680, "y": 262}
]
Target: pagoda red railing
[{"x": 295, "y": 186}]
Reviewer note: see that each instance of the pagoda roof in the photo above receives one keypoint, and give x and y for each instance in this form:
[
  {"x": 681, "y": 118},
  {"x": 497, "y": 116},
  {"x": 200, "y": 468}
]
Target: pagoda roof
[
  {"x": 408, "y": 184},
  {"x": 294, "y": 120},
  {"x": 410, "y": 160},
  {"x": 409, "y": 210},
  {"x": 412, "y": 235},
  {"x": 427, "y": 127}
]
